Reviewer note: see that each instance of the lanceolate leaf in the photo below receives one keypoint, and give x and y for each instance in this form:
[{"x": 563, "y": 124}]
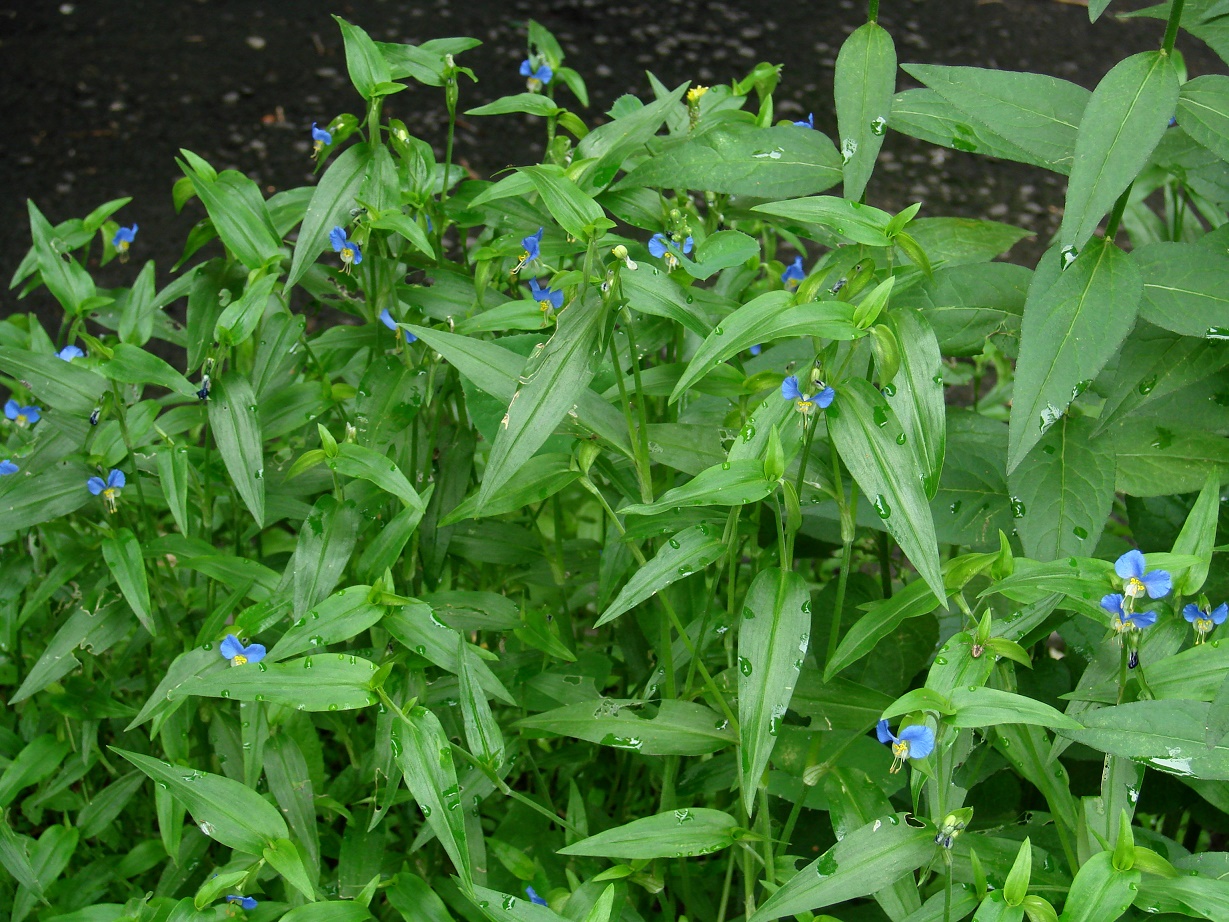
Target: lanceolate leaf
[
  {"x": 330, "y": 207},
  {"x": 63, "y": 385},
  {"x": 772, "y": 641},
  {"x": 1074, "y": 321},
  {"x": 234, "y": 422},
  {"x": 122, "y": 553},
  {"x": 916, "y": 394},
  {"x": 682, "y": 728},
  {"x": 690, "y": 550},
  {"x": 873, "y": 447},
  {"x": 865, "y": 80},
  {"x": 1203, "y": 112},
  {"x": 1184, "y": 288},
  {"x": 731, "y": 483},
  {"x": 1166, "y": 735},
  {"x": 1124, "y": 121},
  {"x": 682, "y": 833},
  {"x": 319, "y": 682}
]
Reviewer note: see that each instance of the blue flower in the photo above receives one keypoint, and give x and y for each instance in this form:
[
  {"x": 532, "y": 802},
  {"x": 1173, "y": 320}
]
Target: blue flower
[
  {"x": 756, "y": 349},
  {"x": 808, "y": 122},
  {"x": 538, "y": 77},
  {"x": 532, "y": 250},
  {"x": 533, "y": 896},
  {"x": 661, "y": 245},
  {"x": 1130, "y": 567},
  {"x": 547, "y": 298},
  {"x": 1123, "y": 621},
  {"x": 22, "y": 416},
  {"x": 238, "y": 654},
  {"x": 351, "y": 255},
  {"x": 247, "y": 902},
  {"x": 123, "y": 240},
  {"x": 68, "y": 353},
  {"x": 1203, "y": 620},
  {"x": 8, "y": 467},
  {"x": 321, "y": 138},
  {"x": 791, "y": 390},
  {"x": 109, "y": 488},
  {"x": 793, "y": 274},
  {"x": 915, "y": 742},
  {"x": 387, "y": 319}
]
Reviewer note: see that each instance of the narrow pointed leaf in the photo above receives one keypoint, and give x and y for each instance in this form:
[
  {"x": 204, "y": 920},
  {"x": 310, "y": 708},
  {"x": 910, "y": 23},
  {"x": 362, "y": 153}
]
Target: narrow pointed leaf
[
  {"x": 234, "y": 421},
  {"x": 1203, "y": 112},
  {"x": 692, "y": 549},
  {"x": 916, "y": 394},
  {"x": 122, "y": 552},
  {"x": 731, "y": 483},
  {"x": 682, "y": 833},
  {"x": 864, "y": 82},
  {"x": 330, "y": 207}
]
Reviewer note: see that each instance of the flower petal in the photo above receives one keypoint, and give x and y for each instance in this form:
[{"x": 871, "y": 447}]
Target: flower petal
[
  {"x": 1112, "y": 603},
  {"x": 1191, "y": 612},
  {"x": 11, "y": 408},
  {"x": 657, "y": 245},
  {"x": 824, "y": 398},
  {"x": 1158, "y": 583},
  {"x": 387, "y": 319},
  {"x": 255, "y": 652},
  {"x": 95, "y": 485},
  {"x": 1143, "y": 619},
  {"x": 921, "y": 740},
  {"x": 1220, "y": 613},
  {"x": 230, "y": 647},
  {"x": 790, "y": 389},
  {"x": 337, "y": 237},
  {"x": 884, "y": 734},
  {"x": 1130, "y": 564},
  {"x": 116, "y": 479}
]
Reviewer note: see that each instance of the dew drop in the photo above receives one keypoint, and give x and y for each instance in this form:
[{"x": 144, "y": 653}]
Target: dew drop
[
  {"x": 881, "y": 507},
  {"x": 744, "y": 666},
  {"x": 1018, "y": 509}
]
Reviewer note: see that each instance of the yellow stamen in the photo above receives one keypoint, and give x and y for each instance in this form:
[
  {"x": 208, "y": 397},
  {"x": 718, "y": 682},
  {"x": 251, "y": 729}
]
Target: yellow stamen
[
  {"x": 1203, "y": 626},
  {"x": 900, "y": 752},
  {"x": 109, "y": 495},
  {"x": 21, "y": 419},
  {"x": 805, "y": 406},
  {"x": 1134, "y": 588},
  {"x": 238, "y": 659}
]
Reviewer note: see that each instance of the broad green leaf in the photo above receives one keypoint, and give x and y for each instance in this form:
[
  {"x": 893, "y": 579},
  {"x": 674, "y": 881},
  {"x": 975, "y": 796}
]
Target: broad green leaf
[
  {"x": 880, "y": 620},
  {"x": 133, "y": 365},
  {"x": 1166, "y": 735},
  {"x": 234, "y": 422},
  {"x": 684, "y": 833},
  {"x": 682, "y": 728},
  {"x": 482, "y": 732},
  {"x": 1063, "y": 490},
  {"x": 122, "y": 552},
  {"x": 357, "y": 461},
  {"x": 973, "y": 503},
  {"x": 335, "y": 195},
  {"x": 1124, "y": 121},
  {"x": 768, "y": 163},
  {"x": 1156, "y": 459},
  {"x": 731, "y": 483},
  {"x": 37, "y": 760},
  {"x": 1201, "y": 897},
  {"x": 367, "y": 67},
  {"x": 15, "y": 858},
  {"x": 1184, "y": 288},
  {"x": 541, "y": 477},
  {"x": 540, "y": 405},
  {"x": 63, "y": 385},
  {"x": 858, "y": 865},
  {"x": 426, "y": 761},
  {"x": 95, "y": 631},
  {"x": 853, "y": 221},
  {"x": 1100, "y": 891},
  {"x": 722, "y": 250},
  {"x": 320, "y": 682},
  {"x": 238, "y": 213},
  {"x": 608, "y": 144},
  {"x": 953, "y": 242},
  {"x": 873, "y": 447},
  {"x": 575, "y": 212},
  {"x": 502, "y": 907},
  {"x": 107, "y": 804},
  {"x": 762, "y": 320},
  {"x": 689, "y": 551},
  {"x": 864, "y": 82},
  {"x": 837, "y": 704},
  {"x": 63, "y": 275},
  {"x": 291, "y": 785},
  {"x": 408, "y": 228},
  {"x": 241, "y": 317},
  {"x": 988, "y": 707},
  {"x": 340, "y": 617},
  {"x": 29, "y": 501},
  {"x": 1027, "y": 749},
  {"x": 225, "y": 810},
  {"x": 772, "y": 641},
  {"x": 1198, "y": 536},
  {"x": 658, "y": 294},
  {"x": 1074, "y": 321},
  {"x": 1035, "y": 112},
  {"x": 916, "y": 394},
  {"x": 384, "y": 550},
  {"x": 418, "y": 629},
  {"x": 284, "y": 858},
  {"x": 1203, "y": 112},
  {"x": 332, "y": 911},
  {"x": 528, "y": 103}
]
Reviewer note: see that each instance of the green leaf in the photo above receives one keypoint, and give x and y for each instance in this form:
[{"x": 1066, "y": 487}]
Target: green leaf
[
  {"x": 682, "y": 833},
  {"x": 16, "y": 859},
  {"x": 342, "y": 616},
  {"x": 417, "y": 628},
  {"x": 1156, "y": 459},
  {"x": 1100, "y": 891},
  {"x": 1203, "y": 112},
  {"x": 64, "y": 277},
  {"x": 528, "y": 103},
  {"x": 241, "y": 317},
  {"x": 1184, "y": 288},
  {"x": 969, "y": 305},
  {"x": 426, "y": 760},
  {"x": 541, "y": 477},
  {"x": 1074, "y": 321},
  {"x": 838, "y": 704},
  {"x": 1201, "y": 897},
  {"x": 1125, "y": 120},
  {"x": 321, "y": 682},
  {"x": 857, "y": 865},
  {"x": 1035, "y": 112},
  {"x": 854, "y": 221},
  {"x": 357, "y": 461},
  {"x": 29, "y": 501},
  {"x": 682, "y": 728},
  {"x": 988, "y": 707},
  {"x": 539, "y": 406},
  {"x": 93, "y": 630},
  {"x": 226, "y": 811},
  {"x": 872, "y": 445},
  {"x": 482, "y": 733},
  {"x": 367, "y": 67},
  {"x": 881, "y": 619},
  {"x": 722, "y": 250},
  {"x": 916, "y": 394},
  {"x": 338, "y": 911},
  {"x": 37, "y": 760},
  {"x": 767, "y": 163},
  {"x": 335, "y": 195},
  {"x": 234, "y": 422},
  {"x": 574, "y": 211},
  {"x": 1166, "y": 735},
  {"x": 284, "y": 858},
  {"x": 408, "y": 228},
  {"x": 772, "y": 641},
  {"x": 239, "y": 215},
  {"x": 864, "y": 82},
  {"x": 690, "y": 550},
  {"x": 731, "y": 483},
  {"x": 763, "y": 319},
  {"x": 133, "y": 365},
  {"x": 122, "y": 552},
  {"x": 608, "y": 145},
  {"x": 1198, "y": 536},
  {"x": 63, "y": 385},
  {"x": 1063, "y": 491}
]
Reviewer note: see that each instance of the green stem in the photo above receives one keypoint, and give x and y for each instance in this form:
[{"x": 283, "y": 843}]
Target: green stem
[
  {"x": 640, "y": 462},
  {"x": 1111, "y": 229},
  {"x": 885, "y": 565},
  {"x": 765, "y": 819},
  {"x": 1171, "y": 27},
  {"x": 872, "y": 11},
  {"x": 643, "y": 445},
  {"x": 725, "y": 890}
]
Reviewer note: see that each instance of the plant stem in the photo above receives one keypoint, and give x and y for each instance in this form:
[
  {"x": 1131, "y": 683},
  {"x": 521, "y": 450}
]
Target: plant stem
[
  {"x": 1111, "y": 229},
  {"x": 1171, "y": 27},
  {"x": 872, "y": 11}
]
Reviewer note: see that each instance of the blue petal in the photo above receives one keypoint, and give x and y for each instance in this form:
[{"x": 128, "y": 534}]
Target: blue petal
[
  {"x": 95, "y": 485},
  {"x": 794, "y": 272},
  {"x": 387, "y": 319},
  {"x": 68, "y": 353},
  {"x": 1191, "y": 612},
  {"x": 337, "y": 237},
  {"x": 657, "y": 245},
  {"x": 410, "y": 337},
  {"x": 1112, "y": 603},
  {"x": 544, "y": 73},
  {"x": 756, "y": 349},
  {"x": 533, "y": 896},
  {"x": 8, "y": 467},
  {"x": 687, "y": 245},
  {"x": 1130, "y": 564},
  {"x": 1143, "y": 619},
  {"x": 824, "y": 398},
  {"x": 790, "y": 389},
  {"x": 32, "y": 414},
  {"x": 526, "y": 68},
  {"x": 921, "y": 740},
  {"x": 116, "y": 479},
  {"x": 255, "y": 652},
  {"x": 1158, "y": 583},
  {"x": 1220, "y": 613},
  {"x": 884, "y": 734},
  {"x": 358, "y": 253},
  {"x": 536, "y": 292},
  {"x": 230, "y": 647},
  {"x": 11, "y": 408}
]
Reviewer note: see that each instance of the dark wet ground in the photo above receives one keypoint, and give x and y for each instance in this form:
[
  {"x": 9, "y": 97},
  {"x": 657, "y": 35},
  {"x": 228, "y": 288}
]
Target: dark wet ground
[{"x": 99, "y": 96}]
